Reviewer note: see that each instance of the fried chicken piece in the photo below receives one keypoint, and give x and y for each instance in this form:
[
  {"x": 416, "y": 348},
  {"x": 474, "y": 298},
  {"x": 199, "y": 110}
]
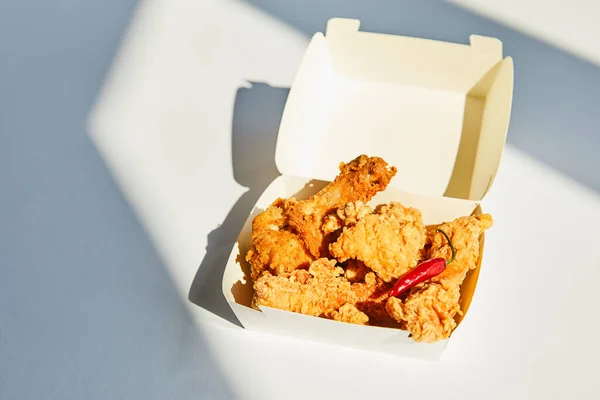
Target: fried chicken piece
[
  {"x": 355, "y": 271},
  {"x": 350, "y": 314},
  {"x": 388, "y": 241},
  {"x": 275, "y": 247},
  {"x": 372, "y": 295},
  {"x": 464, "y": 233},
  {"x": 320, "y": 291},
  {"x": 348, "y": 215},
  {"x": 359, "y": 180},
  {"x": 428, "y": 311},
  {"x": 371, "y": 288},
  {"x": 353, "y": 212},
  {"x": 331, "y": 224}
]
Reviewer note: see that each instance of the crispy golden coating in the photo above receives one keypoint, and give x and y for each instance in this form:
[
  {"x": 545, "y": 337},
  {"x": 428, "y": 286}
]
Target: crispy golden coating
[
  {"x": 350, "y": 314},
  {"x": 464, "y": 233},
  {"x": 372, "y": 288},
  {"x": 275, "y": 247},
  {"x": 355, "y": 271},
  {"x": 331, "y": 224},
  {"x": 348, "y": 215},
  {"x": 428, "y": 311},
  {"x": 359, "y": 180},
  {"x": 388, "y": 241},
  {"x": 372, "y": 294},
  {"x": 353, "y": 212},
  {"x": 318, "y": 292}
]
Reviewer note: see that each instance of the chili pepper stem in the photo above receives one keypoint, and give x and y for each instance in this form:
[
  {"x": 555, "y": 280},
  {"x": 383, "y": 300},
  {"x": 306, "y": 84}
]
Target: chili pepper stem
[{"x": 449, "y": 243}]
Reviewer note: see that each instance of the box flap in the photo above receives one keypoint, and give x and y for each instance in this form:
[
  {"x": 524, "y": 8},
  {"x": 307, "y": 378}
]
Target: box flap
[{"x": 438, "y": 111}]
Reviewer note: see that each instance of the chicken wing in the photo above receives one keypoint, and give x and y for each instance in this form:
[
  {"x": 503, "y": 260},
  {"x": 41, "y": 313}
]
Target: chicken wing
[
  {"x": 388, "y": 241},
  {"x": 275, "y": 247},
  {"x": 359, "y": 180}
]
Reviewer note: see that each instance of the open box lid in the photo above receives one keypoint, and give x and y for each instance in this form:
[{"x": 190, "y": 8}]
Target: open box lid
[{"x": 437, "y": 111}]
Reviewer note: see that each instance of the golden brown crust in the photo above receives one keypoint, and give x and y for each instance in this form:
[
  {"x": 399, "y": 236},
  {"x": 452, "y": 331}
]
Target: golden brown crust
[
  {"x": 355, "y": 271},
  {"x": 464, "y": 233},
  {"x": 318, "y": 292},
  {"x": 387, "y": 241},
  {"x": 427, "y": 312},
  {"x": 372, "y": 293},
  {"x": 359, "y": 180},
  {"x": 275, "y": 247},
  {"x": 350, "y": 314}
]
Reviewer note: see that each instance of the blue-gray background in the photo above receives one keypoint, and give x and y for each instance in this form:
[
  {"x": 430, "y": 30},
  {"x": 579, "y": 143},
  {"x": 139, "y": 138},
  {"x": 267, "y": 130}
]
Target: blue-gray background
[{"x": 87, "y": 309}]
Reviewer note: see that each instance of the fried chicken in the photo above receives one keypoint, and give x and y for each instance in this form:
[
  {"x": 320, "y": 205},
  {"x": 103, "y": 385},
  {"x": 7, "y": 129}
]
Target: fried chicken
[
  {"x": 333, "y": 256},
  {"x": 464, "y": 232},
  {"x": 388, "y": 241},
  {"x": 348, "y": 215},
  {"x": 275, "y": 247},
  {"x": 359, "y": 180},
  {"x": 321, "y": 291},
  {"x": 428, "y": 311},
  {"x": 350, "y": 314},
  {"x": 356, "y": 271},
  {"x": 372, "y": 294},
  {"x": 352, "y": 213},
  {"x": 371, "y": 291}
]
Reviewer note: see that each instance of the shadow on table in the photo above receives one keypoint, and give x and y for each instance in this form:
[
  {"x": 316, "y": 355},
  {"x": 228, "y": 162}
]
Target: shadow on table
[
  {"x": 256, "y": 118},
  {"x": 88, "y": 310},
  {"x": 556, "y": 94}
]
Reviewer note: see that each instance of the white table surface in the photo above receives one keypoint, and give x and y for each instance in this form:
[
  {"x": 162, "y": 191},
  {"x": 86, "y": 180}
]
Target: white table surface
[
  {"x": 190, "y": 144},
  {"x": 570, "y": 25}
]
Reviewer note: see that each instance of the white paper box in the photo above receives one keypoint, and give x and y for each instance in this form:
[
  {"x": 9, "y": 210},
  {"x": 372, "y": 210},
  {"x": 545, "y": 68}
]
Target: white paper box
[{"x": 437, "y": 111}]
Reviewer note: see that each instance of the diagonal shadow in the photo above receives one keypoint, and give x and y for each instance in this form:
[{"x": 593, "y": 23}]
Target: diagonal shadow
[
  {"x": 89, "y": 310},
  {"x": 554, "y": 117},
  {"x": 256, "y": 118}
]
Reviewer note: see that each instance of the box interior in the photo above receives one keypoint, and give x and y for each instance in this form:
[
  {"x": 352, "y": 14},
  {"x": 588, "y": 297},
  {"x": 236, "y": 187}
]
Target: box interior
[{"x": 437, "y": 111}]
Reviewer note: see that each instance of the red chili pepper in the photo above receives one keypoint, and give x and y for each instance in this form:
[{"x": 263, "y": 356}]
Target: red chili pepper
[{"x": 426, "y": 270}]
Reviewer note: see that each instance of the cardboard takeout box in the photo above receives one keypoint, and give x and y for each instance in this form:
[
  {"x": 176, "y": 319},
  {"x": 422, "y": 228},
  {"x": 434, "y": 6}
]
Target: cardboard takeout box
[{"x": 437, "y": 111}]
